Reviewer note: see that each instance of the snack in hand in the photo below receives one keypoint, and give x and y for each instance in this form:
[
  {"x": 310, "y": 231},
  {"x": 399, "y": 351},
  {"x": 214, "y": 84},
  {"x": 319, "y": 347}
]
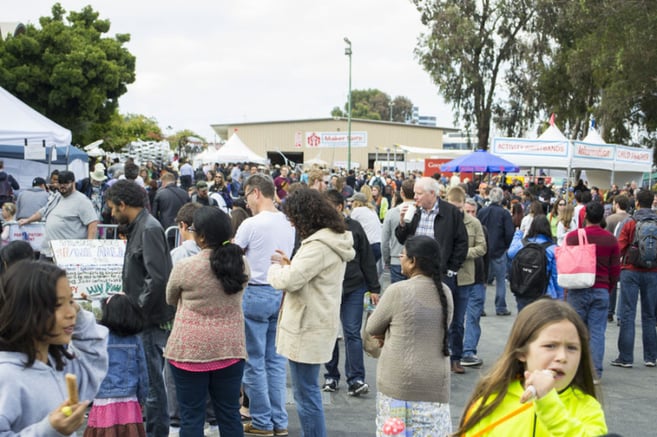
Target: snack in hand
[{"x": 72, "y": 385}]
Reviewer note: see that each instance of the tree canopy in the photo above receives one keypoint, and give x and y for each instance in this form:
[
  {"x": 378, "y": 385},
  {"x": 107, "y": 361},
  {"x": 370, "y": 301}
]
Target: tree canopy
[
  {"x": 68, "y": 70},
  {"x": 373, "y": 104},
  {"x": 513, "y": 62}
]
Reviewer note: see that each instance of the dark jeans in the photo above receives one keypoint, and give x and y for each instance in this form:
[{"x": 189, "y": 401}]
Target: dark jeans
[
  {"x": 396, "y": 274},
  {"x": 456, "y": 328},
  {"x": 592, "y": 305},
  {"x": 224, "y": 387},
  {"x": 156, "y": 409},
  {"x": 351, "y": 316}
]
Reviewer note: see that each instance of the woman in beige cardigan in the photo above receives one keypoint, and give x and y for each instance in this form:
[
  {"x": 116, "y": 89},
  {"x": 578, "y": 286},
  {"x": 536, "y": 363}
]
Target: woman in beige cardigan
[
  {"x": 413, "y": 373},
  {"x": 312, "y": 281}
]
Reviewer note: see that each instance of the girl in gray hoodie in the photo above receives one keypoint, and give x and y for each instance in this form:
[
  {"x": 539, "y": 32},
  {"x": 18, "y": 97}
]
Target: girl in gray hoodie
[{"x": 44, "y": 335}]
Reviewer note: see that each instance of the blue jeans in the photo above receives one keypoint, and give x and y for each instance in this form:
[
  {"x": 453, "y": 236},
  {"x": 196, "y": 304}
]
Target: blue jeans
[
  {"x": 396, "y": 274},
  {"x": 634, "y": 284},
  {"x": 265, "y": 372},
  {"x": 522, "y": 302},
  {"x": 456, "y": 328},
  {"x": 592, "y": 305},
  {"x": 156, "y": 409},
  {"x": 473, "y": 312},
  {"x": 224, "y": 387},
  {"x": 308, "y": 398},
  {"x": 497, "y": 270},
  {"x": 351, "y": 316}
]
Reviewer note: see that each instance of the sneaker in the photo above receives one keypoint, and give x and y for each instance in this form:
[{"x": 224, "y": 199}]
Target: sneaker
[
  {"x": 618, "y": 363},
  {"x": 649, "y": 363},
  {"x": 358, "y": 388},
  {"x": 457, "y": 368},
  {"x": 330, "y": 385},
  {"x": 504, "y": 313},
  {"x": 280, "y": 432},
  {"x": 471, "y": 361},
  {"x": 250, "y": 430}
]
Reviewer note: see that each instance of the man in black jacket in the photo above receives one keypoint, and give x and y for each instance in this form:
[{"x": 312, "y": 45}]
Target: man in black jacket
[
  {"x": 360, "y": 276},
  {"x": 146, "y": 269},
  {"x": 168, "y": 200}
]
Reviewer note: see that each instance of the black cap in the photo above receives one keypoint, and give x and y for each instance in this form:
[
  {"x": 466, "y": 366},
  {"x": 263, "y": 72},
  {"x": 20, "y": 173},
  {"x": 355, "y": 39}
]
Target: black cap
[{"x": 38, "y": 181}]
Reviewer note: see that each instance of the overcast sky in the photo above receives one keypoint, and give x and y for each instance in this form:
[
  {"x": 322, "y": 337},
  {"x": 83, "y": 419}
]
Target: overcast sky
[{"x": 202, "y": 62}]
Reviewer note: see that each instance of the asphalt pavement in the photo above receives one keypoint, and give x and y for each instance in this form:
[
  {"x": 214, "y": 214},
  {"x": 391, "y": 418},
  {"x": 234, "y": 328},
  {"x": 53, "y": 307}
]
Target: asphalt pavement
[{"x": 628, "y": 396}]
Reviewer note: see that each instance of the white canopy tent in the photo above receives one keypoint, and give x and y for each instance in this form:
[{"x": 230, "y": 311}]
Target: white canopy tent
[
  {"x": 605, "y": 164},
  {"x": 234, "y": 150},
  {"x": 19, "y": 124}
]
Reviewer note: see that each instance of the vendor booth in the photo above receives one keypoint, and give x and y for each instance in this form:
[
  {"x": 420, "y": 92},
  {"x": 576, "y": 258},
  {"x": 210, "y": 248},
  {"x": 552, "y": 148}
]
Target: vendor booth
[
  {"x": 605, "y": 164},
  {"x": 22, "y": 126}
]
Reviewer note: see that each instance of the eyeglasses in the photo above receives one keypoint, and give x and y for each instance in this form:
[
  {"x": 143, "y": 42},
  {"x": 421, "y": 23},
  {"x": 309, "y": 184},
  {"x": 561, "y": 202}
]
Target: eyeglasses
[
  {"x": 562, "y": 204},
  {"x": 248, "y": 193}
]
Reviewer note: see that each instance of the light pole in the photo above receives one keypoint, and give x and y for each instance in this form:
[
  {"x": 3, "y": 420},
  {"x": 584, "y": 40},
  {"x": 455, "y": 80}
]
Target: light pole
[
  {"x": 391, "y": 104},
  {"x": 347, "y": 51}
]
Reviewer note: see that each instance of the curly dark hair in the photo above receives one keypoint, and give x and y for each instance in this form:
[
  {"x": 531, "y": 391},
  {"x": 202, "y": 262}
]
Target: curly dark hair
[
  {"x": 28, "y": 300},
  {"x": 127, "y": 192},
  {"x": 309, "y": 211}
]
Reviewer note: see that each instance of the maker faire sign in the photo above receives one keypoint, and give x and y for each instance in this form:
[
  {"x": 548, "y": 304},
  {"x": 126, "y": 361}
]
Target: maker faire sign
[{"x": 335, "y": 139}]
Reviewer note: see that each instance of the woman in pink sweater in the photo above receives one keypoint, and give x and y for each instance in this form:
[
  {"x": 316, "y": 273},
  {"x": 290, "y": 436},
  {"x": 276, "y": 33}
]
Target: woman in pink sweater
[{"x": 206, "y": 349}]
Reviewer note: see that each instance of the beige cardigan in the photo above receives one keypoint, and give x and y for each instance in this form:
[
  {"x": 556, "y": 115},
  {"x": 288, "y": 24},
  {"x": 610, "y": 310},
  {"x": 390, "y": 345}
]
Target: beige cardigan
[
  {"x": 308, "y": 322},
  {"x": 412, "y": 366}
]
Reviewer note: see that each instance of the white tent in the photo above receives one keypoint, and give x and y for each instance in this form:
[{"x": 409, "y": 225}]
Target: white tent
[
  {"x": 21, "y": 122},
  {"x": 604, "y": 163},
  {"x": 234, "y": 150}
]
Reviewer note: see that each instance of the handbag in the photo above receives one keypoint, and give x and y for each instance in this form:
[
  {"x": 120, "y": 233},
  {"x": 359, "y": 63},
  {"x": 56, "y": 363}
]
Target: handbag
[
  {"x": 576, "y": 265},
  {"x": 371, "y": 345}
]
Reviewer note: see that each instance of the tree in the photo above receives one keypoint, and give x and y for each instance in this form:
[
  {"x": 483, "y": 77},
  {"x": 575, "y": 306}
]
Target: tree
[
  {"x": 373, "y": 104},
  {"x": 604, "y": 64},
  {"x": 67, "y": 70},
  {"x": 469, "y": 46},
  {"x": 122, "y": 129}
]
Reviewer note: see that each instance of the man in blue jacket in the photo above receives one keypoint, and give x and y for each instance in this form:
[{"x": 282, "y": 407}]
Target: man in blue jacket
[{"x": 500, "y": 234}]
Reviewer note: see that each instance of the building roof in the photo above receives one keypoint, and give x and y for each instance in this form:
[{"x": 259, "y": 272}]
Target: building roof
[{"x": 359, "y": 120}]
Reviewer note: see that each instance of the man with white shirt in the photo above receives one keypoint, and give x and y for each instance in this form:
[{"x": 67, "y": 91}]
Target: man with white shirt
[{"x": 265, "y": 372}]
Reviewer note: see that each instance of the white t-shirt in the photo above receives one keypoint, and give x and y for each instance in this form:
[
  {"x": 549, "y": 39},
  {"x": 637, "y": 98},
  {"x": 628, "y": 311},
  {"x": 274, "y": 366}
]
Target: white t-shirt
[
  {"x": 260, "y": 236},
  {"x": 369, "y": 221}
]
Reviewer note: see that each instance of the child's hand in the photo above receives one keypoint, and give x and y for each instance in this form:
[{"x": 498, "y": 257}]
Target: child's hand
[
  {"x": 537, "y": 384},
  {"x": 67, "y": 424}
]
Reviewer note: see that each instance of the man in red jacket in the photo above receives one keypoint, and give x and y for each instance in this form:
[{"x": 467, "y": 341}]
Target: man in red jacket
[{"x": 592, "y": 304}]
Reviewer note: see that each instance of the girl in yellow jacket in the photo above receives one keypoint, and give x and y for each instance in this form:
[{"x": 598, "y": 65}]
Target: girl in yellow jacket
[{"x": 543, "y": 383}]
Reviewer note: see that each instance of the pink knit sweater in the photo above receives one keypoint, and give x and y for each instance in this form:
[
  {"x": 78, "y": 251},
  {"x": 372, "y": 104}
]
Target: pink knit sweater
[{"x": 209, "y": 324}]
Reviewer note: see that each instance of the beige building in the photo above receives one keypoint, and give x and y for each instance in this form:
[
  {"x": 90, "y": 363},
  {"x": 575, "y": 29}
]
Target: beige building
[{"x": 325, "y": 139}]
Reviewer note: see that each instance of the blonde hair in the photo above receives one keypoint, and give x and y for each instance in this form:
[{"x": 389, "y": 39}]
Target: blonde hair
[
  {"x": 9, "y": 208},
  {"x": 367, "y": 191}
]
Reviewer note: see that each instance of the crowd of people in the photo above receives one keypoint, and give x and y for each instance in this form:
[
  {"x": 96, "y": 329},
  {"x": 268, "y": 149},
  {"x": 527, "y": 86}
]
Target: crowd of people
[{"x": 269, "y": 267}]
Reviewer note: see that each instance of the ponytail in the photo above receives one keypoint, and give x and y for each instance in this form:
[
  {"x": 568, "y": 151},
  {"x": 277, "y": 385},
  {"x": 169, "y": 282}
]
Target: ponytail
[
  {"x": 227, "y": 263},
  {"x": 437, "y": 279}
]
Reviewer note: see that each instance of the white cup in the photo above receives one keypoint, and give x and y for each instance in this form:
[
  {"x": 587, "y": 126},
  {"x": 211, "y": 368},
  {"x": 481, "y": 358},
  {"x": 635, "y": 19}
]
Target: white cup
[{"x": 410, "y": 212}]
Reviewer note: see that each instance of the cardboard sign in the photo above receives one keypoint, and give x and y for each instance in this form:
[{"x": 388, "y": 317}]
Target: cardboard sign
[{"x": 93, "y": 267}]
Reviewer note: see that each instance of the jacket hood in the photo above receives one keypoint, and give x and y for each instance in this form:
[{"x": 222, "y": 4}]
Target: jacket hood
[
  {"x": 3, "y": 175},
  {"x": 341, "y": 244},
  {"x": 19, "y": 359}
]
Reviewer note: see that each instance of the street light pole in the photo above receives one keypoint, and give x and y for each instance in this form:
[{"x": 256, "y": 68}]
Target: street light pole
[
  {"x": 390, "y": 104},
  {"x": 347, "y": 51}
]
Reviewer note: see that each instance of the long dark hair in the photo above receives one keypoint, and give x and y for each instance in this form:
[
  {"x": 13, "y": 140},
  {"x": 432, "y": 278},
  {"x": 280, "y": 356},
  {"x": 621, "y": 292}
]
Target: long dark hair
[
  {"x": 425, "y": 251},
  {"x": 28, "y": 301},
  {"x": 540, "y": 226},
  {"x": 527, "y": 327},
  {"x": 227, "y": 260}
]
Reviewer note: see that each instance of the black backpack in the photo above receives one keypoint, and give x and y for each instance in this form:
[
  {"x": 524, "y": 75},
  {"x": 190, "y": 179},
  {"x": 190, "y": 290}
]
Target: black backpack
[{"x": 529, "y": 277}]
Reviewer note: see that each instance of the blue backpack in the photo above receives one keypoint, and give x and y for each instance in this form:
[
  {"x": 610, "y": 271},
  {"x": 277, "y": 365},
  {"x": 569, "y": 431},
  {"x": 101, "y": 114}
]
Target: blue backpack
[{"x": 644, "y": 244}]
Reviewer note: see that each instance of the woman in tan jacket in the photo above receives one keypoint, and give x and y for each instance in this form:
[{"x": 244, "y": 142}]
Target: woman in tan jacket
[{"x": 312, "y": 281}]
